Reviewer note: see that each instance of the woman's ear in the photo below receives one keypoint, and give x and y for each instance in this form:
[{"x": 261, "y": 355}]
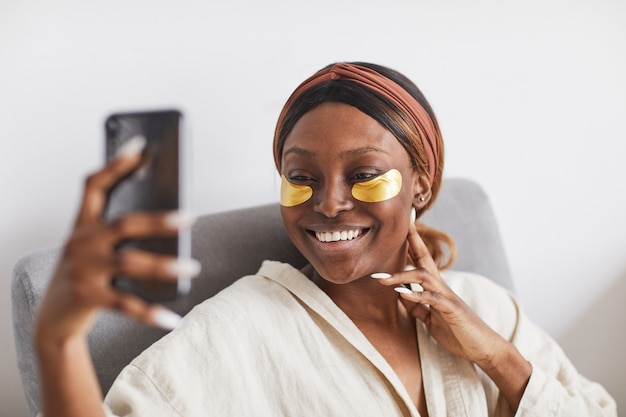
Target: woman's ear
[{"x": 422, "y": 193}]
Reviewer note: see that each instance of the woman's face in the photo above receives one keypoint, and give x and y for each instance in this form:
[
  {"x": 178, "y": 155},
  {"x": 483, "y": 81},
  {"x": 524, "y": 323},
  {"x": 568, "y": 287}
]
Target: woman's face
[{"x": 331, "y": 148}]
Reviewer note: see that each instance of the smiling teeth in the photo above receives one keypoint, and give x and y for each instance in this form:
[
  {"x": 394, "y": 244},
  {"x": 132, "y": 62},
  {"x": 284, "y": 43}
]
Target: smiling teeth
[{"x": 337, "y": 236}]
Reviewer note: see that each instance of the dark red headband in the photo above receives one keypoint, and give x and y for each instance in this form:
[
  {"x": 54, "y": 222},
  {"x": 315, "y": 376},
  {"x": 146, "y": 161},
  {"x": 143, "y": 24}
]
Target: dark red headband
[{"x": 383, "y": 86}]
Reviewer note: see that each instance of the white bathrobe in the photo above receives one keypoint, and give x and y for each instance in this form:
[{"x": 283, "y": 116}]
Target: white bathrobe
[{"x": 274, "y": 344}]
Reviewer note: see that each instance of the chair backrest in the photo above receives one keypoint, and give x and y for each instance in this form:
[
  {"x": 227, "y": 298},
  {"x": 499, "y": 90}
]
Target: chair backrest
[{"x": 231, "y": 245}]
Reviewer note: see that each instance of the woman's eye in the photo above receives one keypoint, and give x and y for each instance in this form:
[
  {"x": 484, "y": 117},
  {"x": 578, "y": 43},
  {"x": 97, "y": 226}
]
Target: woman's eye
[
  {"x": 365, "y": 176},
  {"x": 299, "y": 178}
]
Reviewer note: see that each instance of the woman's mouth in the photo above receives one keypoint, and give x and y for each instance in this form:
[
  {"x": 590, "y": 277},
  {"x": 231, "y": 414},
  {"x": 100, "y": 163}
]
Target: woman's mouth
[{"x": 338, "y": 235}]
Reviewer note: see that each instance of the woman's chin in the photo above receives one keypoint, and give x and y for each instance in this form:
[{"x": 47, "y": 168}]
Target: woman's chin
[{"x": 341, "y": 275}]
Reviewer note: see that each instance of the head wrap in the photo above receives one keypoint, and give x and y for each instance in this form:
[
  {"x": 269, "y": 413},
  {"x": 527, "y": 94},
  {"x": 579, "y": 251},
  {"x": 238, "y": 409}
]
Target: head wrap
[{"x": 383, "y": 86}]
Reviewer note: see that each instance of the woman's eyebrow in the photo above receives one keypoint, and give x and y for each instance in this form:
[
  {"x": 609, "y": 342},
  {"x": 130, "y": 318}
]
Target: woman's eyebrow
[
  {"x": 346, "y": 153},
  {"x": 298, "y": 151},
  {"x": 362, "y": 151}
]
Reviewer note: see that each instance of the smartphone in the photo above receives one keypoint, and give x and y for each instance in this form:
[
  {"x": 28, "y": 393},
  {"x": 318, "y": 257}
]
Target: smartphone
[{"x": 158, "y": 184}]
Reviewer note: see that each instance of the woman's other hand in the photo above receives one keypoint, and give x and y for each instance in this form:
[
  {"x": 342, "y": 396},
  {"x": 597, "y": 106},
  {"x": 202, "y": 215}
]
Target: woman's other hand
[{"x": 455, "y": 326}]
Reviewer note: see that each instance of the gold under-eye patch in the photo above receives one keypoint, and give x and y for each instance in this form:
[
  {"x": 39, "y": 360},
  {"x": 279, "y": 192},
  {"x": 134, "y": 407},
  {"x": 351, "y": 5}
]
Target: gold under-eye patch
[
  {"x": 292, "y": 194},
  {"x": 381, "y": 188}
]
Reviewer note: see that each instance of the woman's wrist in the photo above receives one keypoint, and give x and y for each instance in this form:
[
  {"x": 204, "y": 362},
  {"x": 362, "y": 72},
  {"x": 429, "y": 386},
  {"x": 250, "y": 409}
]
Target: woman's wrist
[
  {"x": 510, "y": 371},
  {"x": 54, "y": 347},
  {"x": 69, "y": 383}
]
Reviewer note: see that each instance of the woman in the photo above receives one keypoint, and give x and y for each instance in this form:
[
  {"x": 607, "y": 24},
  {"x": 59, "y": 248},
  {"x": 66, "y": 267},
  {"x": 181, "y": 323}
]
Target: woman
[{"x": 370, "y": 327}]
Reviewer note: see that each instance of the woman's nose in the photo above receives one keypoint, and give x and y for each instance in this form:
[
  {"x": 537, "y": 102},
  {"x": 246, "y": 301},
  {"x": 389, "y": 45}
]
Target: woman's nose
[{"x": 332, "y": 198}]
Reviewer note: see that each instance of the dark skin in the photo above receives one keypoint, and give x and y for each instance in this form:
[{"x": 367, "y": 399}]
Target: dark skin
[{"x": 330, "y": 148}]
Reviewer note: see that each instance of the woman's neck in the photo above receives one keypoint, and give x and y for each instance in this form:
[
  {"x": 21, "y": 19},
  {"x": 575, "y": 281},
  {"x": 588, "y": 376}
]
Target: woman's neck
[{"x": 363, "y": 300}]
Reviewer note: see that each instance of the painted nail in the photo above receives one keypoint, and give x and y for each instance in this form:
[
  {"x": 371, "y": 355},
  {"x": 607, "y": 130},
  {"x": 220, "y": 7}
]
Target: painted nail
[
  {"x": 166, "y": 319},
  {"x": 381, "y": 275},
  {"x": 180, "y": 219},
  {"x": 403, "y": 290},
  {"x": 185, "y": 267},
  {"x": 131, "y": 147},
  {"x": 410, "y": 268},
  {"x": 184, "y": 285}
]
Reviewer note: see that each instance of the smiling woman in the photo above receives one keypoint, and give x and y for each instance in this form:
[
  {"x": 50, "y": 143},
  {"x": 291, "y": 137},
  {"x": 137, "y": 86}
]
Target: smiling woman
[
  {"x": 373, "y": 325},
  {"x": 340, "y": 148},
  {"x": 397, "y": 105}
]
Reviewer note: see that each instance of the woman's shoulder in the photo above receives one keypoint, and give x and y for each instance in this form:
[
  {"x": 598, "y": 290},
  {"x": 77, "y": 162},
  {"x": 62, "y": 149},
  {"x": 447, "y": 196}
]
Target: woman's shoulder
[
  {"x": 251, "y": 294},
  {"x": 463, "y": 282},
  {"x": 496, "y": 305},
  {"x": 249, "y": 303}
]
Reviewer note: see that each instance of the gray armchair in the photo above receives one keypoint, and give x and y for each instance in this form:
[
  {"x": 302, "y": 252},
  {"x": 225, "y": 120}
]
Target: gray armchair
[{"x": 230, "y": 245}]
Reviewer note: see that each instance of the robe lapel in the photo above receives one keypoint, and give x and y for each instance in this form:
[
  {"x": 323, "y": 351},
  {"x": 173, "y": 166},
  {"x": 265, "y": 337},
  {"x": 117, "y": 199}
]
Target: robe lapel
[
  {"x": 451, "y": 385},
  {"x": 315, "y": 299}
]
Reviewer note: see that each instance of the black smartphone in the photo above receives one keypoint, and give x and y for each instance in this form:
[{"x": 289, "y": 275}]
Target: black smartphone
[{"x": 158, "y": 184}]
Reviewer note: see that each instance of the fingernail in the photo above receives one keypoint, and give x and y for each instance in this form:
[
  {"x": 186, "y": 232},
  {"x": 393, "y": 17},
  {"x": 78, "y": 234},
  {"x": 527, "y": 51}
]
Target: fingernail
[
  {"x": 166, "y": 319},
  {"x": 131, "y": 147},
  {"x": 180, "y": 219},
  {"x": 381, "y": 275},
  {"x": 403, "y": 290},
  {"x": 410, "y": 268},
  {"x": 184, "y": 285},
  {"x": 185, "y": 267}
]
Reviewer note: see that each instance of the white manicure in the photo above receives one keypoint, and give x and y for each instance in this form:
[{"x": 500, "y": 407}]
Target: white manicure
[
  {"x": 131, "y": 147},
  {"x": 381, "y": 275},
  {"x": 166, "y": 319},
  {"x": 185, "y": 267},
  {"x": 180, "y": 219},
  {"x": 403, "y": 290}
]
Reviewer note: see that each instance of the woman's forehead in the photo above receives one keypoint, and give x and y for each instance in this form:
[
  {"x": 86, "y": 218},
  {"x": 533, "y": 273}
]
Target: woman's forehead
[{"x": 342, "y": 130}]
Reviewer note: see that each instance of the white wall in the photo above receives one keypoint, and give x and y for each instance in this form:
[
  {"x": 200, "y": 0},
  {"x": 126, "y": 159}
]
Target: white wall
[{"x": 531, "y": 98}]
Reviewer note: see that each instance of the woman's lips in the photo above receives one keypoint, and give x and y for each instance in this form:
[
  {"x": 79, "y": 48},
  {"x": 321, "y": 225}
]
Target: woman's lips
[{"x": 338, "y": 235}]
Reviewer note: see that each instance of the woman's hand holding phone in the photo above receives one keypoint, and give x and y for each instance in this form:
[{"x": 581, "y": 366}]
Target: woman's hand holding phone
[{"x": 82, "y": 282}]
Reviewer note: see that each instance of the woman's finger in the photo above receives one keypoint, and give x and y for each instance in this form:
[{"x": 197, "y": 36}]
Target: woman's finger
[
  {"x": 419, "y": 311},
  {"x": 163, "y": 318},
  {"x": 98, "y": 184},
  {"x": 136, "y": 308},
  {"x": 419, "y": 252},
  {"x": 412, "y": 276},
  {"x": 141, "y": 265},
  {"x": 431, "y": 298},
  {"x": 147, "y": 225},
  {"x": 418, "y": 275}
]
